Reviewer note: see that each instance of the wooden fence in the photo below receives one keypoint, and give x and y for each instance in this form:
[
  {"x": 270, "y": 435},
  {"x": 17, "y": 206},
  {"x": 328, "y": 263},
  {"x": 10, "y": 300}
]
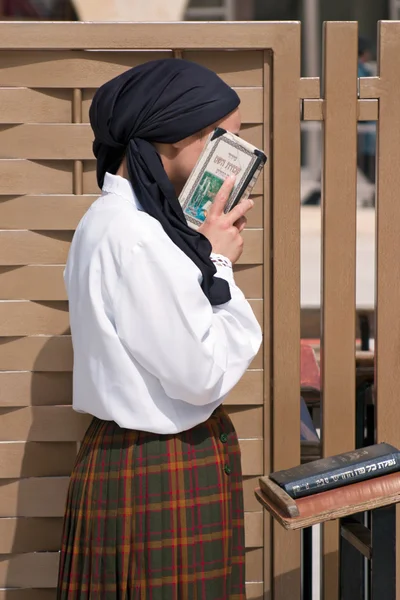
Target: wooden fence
[{"x": 48, "y": 73}]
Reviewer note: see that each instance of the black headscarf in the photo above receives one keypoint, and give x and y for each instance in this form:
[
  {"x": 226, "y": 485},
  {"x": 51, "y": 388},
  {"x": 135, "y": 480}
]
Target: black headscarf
[{"x": 160, "y": 101}]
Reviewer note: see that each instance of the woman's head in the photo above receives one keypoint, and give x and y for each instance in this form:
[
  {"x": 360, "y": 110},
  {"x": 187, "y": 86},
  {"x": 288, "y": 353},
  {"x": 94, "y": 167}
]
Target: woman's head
[
  {"x": 165, "y": 102},
  {"x": 158, "y": 116}
]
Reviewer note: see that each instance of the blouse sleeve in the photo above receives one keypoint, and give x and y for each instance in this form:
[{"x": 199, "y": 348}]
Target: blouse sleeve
[{"x": 196, "y": 351}]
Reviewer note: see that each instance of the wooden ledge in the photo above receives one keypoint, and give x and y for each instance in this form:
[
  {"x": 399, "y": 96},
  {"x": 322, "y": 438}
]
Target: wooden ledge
[{"x": 327, "y": 506}]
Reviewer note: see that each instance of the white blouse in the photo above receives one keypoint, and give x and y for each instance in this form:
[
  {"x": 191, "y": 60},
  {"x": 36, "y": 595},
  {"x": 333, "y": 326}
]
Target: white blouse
[{"x": 150, "y": 352}]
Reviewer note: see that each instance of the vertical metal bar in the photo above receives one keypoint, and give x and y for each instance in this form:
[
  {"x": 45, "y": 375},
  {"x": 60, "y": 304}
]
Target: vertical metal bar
[
  {"x": 78, "y": 164},
  {"x": 285, "y": 332},
  {"x": 338, "y": 263},
  {"x": 383, "y": 574},
  {"x": 387, "y": 376}
]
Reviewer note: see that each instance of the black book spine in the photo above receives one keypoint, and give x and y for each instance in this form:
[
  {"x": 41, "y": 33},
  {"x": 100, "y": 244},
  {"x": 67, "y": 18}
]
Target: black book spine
[{"x": 366, "y": 469}]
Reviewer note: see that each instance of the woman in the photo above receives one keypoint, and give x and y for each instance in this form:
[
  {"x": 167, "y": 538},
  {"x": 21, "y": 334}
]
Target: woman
[{"x": 161, "y": 334}]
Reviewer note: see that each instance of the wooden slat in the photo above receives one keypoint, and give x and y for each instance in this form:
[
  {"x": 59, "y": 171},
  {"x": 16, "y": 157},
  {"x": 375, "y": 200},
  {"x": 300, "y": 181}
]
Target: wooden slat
[
  {"x": 39, "y": 570},
  {"x": 90, "y": 183},
  {"x": 251, "y": 107},
  {"x": 371, "y": 87},
  {"x": 249, "y": 279},
  {"x": 28, "y": 177},
  {"x": 254, "y": 529},
  {"x": 180, "y": 36},
  {"x": 55, "y": 389},
  {"x": 40, "y": 353},
  {"x": 20, "y": 318},
  {"x": 38, "y": 282},
  {"x": 285, "y": 295},
  {"x": 387, "y": 373},
  {"x": 254, "y": 591},
  {"x": 46, "y": 496},
  {"x": 30, "y": 535},
  {"x": 29, "y": 247},
  {"x": 44, "y": 534},
  {"x": 252, "y": 457},
  {"x": 44, "y": 353},
  {"x": 21, "y": 594},
  {"x": 77, "y": 69},
  {"x": 33, "y": 318},
  {"x": 35, "y": 282},
  {"x": 58, "y": 69},
  {"x": 63, "y": 212},
  {"x": 267, "y": 289},
  {"x": 248, "y": 391},
  {"x": 254, "y": 565},
  {"x": 44, "y": 141},
  {"x": 33, "y": 459},
  {"x": 62, "y": 424},
  {"x": 310, "y": 87},
  {"x": 23, "y": 105},
  {"x": 367, "y": 110},
  {"x": 339, "y": 262}
]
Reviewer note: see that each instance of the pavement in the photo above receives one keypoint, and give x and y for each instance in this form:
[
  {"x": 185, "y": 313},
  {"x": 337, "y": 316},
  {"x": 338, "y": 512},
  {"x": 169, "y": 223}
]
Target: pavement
[{"x": 311, "y": 257}]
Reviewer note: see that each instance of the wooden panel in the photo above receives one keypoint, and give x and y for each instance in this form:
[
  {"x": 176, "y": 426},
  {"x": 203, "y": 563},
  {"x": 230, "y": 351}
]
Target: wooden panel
[
  {"x": 38, "y": 282},
  {"x": 62, "y": 424},
  {"x": 28, "y": 177},
  {"x": 310, "y": 87},
  {"x": 29, "y": 247},
  {"x": 249, "y": 390},
  {"x": 45, "y": 353},
  {"x": 29, "y": 570},
  {"x": 247, "y": 421},
  {"x": 338, "y": 262},
  {"x": 387, "y": 374},
  {"x": 251, "y": 107},
  {"x": 57, "y": 69},
  {"x": 30, "y": 535},
  {"x": 21, "y": 594},
  {"x": 254, "y": 565},
  {"x": 36, "y": 353},
  {"x": 42, "y": 423},
  {"x": 252, "y": 457},
  {"x": 46, "y": 496},
  {"x": 267, "y": 292},
  {"x": 77, "y": 69},
  {"x": 253, "y": 529},
  {"x": 314, "y": 110},
  {"x": 47, "y": 389},
  {"x": 47, "y": 141},
  {"x": 44, "y": 534},
  {"x": 179, "y": 36},
  {"x": 40, "y": 497},
  {"x": 33, "y": 318},
  {"x": 19, "y": 459},
  {"x": 23, "y": 105},
  {"x": 34, "y": 282},
  {"x": 245, "y": 69},
  {"x": 285, "y": 295},
  {"x": 248, "y": 278},
  {"x": 61, "y": 212},
  {"x": 90, "y": 184}
]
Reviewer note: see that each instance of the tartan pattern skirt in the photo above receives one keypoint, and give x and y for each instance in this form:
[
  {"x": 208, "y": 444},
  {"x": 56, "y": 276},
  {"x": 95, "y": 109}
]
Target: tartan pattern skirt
[{"x": 155, "y": 517}]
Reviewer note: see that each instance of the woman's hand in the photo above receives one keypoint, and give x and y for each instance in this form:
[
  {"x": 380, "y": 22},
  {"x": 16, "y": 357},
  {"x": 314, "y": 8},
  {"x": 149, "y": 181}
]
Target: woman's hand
[{"x": 224, "y": 230}]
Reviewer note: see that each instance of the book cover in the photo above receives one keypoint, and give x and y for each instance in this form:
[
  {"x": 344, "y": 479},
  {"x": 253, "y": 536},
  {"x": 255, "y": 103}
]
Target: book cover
[
  {"x": 224, "y": 154},
  {"x": 328, "y": 473}
]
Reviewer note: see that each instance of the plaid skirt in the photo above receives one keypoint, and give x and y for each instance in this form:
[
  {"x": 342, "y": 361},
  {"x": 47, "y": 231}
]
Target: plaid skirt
[{"x": 155, "y": 517}]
